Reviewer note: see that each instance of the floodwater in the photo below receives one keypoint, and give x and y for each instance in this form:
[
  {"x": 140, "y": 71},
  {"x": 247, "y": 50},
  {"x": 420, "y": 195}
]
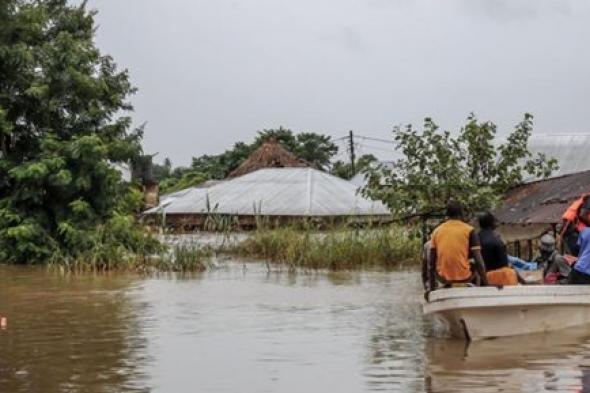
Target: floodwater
[{"x": 242, "y": 329}]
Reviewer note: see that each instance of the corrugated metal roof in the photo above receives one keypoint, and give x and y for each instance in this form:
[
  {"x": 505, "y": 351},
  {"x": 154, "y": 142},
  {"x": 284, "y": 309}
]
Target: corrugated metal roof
[
  {"x": 167, "y": 198},
  {"x": 276, "y": 192},
  {"x": 543, "y": 202},
  {"x": 569, "y": 150}
]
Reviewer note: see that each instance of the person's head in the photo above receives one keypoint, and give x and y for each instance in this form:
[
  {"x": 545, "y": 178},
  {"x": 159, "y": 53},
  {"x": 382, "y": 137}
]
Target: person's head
[
  {"x": 487, "y": 221},
  {"x": 547, "y": 244},
  {"x": 454, "y": 210},
  {"x": 584, "y": 212}
]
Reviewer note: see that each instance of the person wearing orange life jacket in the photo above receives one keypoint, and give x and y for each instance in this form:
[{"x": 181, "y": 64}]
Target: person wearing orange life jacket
[
  {"x": 453, "y": 244},
  {"x": 575, "y": 219}
]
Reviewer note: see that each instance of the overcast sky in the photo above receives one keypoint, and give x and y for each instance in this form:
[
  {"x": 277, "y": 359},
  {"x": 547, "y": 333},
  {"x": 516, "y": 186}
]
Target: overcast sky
[{"x": 212, "y": 72}]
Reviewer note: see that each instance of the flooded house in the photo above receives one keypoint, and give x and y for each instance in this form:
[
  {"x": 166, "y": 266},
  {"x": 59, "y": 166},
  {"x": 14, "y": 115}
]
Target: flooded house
[
  {"x": 272, "y": 184},
  {"x": 535, "y": 207}
]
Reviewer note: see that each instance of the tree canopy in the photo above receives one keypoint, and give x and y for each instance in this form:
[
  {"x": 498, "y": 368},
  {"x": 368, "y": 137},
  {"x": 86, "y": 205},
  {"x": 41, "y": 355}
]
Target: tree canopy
[
  {"x": 61, "y": 132},
  {"x": 470, "y": 166},
  {"x": 317, "y": 149},
  {"x": 363, "y": 164}
]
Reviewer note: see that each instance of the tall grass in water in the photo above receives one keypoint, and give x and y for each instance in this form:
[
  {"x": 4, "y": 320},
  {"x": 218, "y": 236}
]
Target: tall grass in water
[
  {"x": 335, "y": 249},
  {"x": 183, "y": 257},
  {"x": 158, "y": 257}
]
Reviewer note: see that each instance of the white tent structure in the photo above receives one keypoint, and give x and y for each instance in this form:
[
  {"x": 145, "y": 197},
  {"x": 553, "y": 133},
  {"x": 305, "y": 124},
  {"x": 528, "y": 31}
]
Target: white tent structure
[
  {"x": 295, "y": 192},
  {"x": 569, "y": 150}
]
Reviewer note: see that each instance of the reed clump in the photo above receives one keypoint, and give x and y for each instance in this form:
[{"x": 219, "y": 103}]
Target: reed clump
[
  {"x": 181, "y": 257},
  {"x": 335, "y": 249},
  {"x": 184, "y": 258}
]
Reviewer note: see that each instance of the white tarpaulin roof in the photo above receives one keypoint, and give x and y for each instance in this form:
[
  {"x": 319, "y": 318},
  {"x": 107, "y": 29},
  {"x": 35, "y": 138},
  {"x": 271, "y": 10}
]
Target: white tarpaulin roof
[
  {"x": 569, "y": 150},
  {"x": 275, "y": 192}
]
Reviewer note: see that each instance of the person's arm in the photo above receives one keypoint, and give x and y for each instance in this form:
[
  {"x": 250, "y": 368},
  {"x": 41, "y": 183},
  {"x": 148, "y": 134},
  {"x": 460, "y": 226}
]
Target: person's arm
[
  {"x": 425, "y": 262},
  {"x": 480, "y": 266},
  {"x": 562, "y": 266},
  {"x": 431, "y": 270},
  {"x": 475, "y": 248},
  {"x": 502, "y": 251}
]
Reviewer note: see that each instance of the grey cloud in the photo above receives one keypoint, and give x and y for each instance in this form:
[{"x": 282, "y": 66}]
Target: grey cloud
[
  {"x": 212, "y": 72},
  {"x": 348, "y": 38},
  {"x": 515, "y": 10}
]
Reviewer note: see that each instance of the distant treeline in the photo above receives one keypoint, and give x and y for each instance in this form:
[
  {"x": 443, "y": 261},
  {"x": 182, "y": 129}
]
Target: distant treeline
[{"x": 317, "y": 149}]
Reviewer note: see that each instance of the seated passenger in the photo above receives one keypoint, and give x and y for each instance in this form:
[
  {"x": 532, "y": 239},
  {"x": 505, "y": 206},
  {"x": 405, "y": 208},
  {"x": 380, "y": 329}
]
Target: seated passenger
[
  {"x": 453, "y": 243},
  {"x": 493, "y": 251},
  {"x": 555, "y": 267},
  {"x": 575, "y": 219},
  {"x": 580, "y": 274}
]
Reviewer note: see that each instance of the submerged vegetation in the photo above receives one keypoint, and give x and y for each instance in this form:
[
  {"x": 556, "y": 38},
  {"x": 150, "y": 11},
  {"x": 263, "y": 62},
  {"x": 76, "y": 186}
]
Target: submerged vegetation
[
  {"x": 184, "y": 257},
  {"x": 336, "y": 249},
  {"x": 190, "y": 257}
]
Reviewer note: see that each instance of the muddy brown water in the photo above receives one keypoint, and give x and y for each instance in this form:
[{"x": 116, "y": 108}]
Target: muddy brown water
[{"x": 242, "y": 329}]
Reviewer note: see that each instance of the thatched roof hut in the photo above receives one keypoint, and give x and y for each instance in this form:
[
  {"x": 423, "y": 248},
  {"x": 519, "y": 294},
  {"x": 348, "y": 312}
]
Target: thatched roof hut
[{"x": 270, "y": 154}]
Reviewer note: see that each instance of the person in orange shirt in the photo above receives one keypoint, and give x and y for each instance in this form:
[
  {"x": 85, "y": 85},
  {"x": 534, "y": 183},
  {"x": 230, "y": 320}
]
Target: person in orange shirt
[{"x": 453, "y": 244}]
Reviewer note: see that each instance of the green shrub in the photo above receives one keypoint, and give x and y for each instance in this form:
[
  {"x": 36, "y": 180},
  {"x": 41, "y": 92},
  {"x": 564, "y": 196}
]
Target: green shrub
[{"x": 334, "y": 249}]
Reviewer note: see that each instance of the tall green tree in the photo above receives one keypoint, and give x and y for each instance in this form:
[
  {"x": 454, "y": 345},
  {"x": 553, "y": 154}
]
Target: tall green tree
[
  {"x": 471, "y": 167},
  {"x": 363, "y": 164},
  {"x": 61, "y": 131},
  {"x": 317, "y": 149}
]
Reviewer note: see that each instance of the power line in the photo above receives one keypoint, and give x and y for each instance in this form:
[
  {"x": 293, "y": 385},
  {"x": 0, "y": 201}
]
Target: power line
[
  {"x": 369, "y": 138},
  {"x": 378, "y": 148},
  {"x": 340, "y": 139}
]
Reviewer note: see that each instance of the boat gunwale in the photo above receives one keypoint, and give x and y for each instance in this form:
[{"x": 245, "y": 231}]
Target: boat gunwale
[
  {"x": 516, "y": 290},
  {"x": 455, "y": 299}
]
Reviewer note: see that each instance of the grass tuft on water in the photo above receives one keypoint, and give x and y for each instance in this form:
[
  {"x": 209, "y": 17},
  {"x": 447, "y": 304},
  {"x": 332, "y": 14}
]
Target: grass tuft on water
[
  {"x": 336, "y": 249},
  {"x": 182, "y": 257}
]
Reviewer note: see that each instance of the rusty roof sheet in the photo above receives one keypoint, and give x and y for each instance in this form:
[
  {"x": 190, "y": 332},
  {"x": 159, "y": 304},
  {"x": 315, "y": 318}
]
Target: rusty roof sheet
[{"x": 544, "y": 201}]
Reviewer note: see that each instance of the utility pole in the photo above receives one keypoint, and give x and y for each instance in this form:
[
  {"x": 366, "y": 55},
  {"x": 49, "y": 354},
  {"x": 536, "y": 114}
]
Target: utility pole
[{"x": 352, "y": 156}]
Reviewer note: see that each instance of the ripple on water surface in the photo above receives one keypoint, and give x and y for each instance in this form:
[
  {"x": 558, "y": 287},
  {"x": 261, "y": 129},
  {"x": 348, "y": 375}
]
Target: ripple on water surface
[{"x": 248, "y": 330}]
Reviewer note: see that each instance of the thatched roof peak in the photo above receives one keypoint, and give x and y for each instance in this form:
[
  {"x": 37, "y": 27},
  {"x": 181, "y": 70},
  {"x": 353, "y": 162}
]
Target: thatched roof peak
[{"x": 271, "y": 154}]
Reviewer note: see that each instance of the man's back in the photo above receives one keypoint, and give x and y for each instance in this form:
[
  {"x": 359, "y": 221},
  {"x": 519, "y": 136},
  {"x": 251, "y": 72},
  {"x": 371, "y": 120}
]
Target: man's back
[
  {"x": 493, "y": 250},
  {"x": 451, "y": 240}
]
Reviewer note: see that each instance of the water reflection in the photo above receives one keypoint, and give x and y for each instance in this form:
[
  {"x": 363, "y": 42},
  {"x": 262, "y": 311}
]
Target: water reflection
[
  {"x": 242, "y": 328},
  {"x": 69, "y": 334},
  {"x": 559, "y": 361}
]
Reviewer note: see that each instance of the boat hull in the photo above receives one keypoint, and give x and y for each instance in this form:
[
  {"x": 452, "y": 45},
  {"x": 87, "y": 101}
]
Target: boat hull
[{"x": 487, "y": 312}]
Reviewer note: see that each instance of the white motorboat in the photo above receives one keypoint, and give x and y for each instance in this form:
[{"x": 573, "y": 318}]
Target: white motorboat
[{"x": 486, "y": 312}]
